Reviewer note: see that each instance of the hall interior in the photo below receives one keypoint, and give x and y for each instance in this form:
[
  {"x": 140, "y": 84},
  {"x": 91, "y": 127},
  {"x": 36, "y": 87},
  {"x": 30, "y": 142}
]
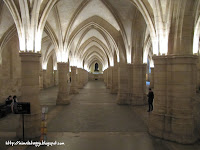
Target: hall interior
[{"x": 91, "y": 63}]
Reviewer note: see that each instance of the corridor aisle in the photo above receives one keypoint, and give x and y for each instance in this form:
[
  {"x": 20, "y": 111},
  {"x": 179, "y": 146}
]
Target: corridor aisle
[{"x": 93, "y": 121}]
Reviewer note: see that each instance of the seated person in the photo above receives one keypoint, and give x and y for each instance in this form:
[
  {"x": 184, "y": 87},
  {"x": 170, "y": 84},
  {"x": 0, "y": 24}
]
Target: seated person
[{"x": 9, "y": 100}]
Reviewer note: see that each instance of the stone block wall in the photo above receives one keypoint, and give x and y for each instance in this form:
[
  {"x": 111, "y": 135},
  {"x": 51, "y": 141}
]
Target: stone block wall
[
  {"x": 196, "y": 113},
  {"x": 48, "y": 75},
  {"x": 10, "y": 70},
  {"x": 92, "y": 77},
  {"x": 174, "y": 88}
]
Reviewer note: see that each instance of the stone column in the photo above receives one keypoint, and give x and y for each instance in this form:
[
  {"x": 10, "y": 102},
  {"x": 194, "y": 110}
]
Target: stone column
[
  {"x": 152, "y": 78},
  {"x": 139, "y": 96},
  {"x": 114, "y": 87},
  {"x": 198, "y": 80},
  {"x": 80, "y": 85},
  {"x": 74, "y": 86},
  {"x": 87, "y": 76},
  {"x": 41, "y": 79},
  {"x": 44, "y": 72},
  {"x": 110, "y": 71},
  {"x": 83, "y": 77},
  {"x": 63, "y": 91},
  {"x": 174, "y": 87},
  {"x": 77, "y": 78},
  {"x": 55, "y": 77},
  {"x": 123, "y": 91},
  {"x": 84, "y": 80},
  {"x": 30, "y": 93},
  {"x": 105, "y": 77},
  {"x": 130, "y": 81}
]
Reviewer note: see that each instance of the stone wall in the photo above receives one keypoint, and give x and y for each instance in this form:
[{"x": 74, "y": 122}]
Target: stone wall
[
  {"x": 55, "y": 74},
  {"x": 48, "y": 76},
  {"x": 10, "y": 70},
  {"x": 95, "y": 76},
  {"x": 196, "y": 112}
]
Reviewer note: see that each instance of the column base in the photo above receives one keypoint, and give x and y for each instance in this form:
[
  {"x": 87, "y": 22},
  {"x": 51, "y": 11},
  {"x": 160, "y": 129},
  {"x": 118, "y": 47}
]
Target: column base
[
  {"x": 80, "y": 87},
  {"x": 114, "y": 90},
  {"x": 161, "y": 126},
  {"x": 63, "y": 99},
  {"x": 122, "y": 99},
  {"x": 139, "y": 100},
  {"x": 31, "y": 126},
  {"x": 73, "y": 90}
]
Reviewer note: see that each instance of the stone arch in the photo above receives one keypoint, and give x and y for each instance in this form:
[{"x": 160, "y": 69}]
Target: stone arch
[
  {"x": 6, "y": 38},
  {"x": 103, "y": 48},
  {"x": 10, "y": 68},
  {"x": 182, "y": 29},
  {"x": 105, "y": 27}
]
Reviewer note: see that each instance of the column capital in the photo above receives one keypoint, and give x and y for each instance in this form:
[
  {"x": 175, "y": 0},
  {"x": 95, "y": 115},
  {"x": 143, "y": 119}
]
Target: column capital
[
  {"x": 29, "y": 56},
  {"x": 62, "y": 63},
  {"x": 180, "y": 59}
]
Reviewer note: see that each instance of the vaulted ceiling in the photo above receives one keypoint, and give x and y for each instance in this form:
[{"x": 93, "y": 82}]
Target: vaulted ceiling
[
  {"x": 87, "y": 31},
  {"x": 85, "y": 27}
]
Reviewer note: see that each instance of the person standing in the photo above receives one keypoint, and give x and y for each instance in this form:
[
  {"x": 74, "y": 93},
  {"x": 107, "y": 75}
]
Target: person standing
[
  {"x": 14, "y": 104},
  {"x": 150, "y": 99}
]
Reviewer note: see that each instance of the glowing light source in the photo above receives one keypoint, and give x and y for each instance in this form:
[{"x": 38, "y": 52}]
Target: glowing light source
[
  {"x": 111, "y": 62},
  {"x": 44, "y": 65},
  {"x": 38, "y": 42},
  {"x": 196, "y": 37},
  {"x": 196, "y": 44},
  {"x": 73, "y": 61},
  {"x": 55, "y": 67},
  {"x": 155, "y": 46},
  {"x": 145, "y": 56},
  {"x": 118, "y": 59},
  {"x": 62, "y": 56},
  {"x": 22, "y": 43},
  {"x": 152, "y": 64},
  {"x": 163, "y": 45},
  {"x": 128, "y": 56}
]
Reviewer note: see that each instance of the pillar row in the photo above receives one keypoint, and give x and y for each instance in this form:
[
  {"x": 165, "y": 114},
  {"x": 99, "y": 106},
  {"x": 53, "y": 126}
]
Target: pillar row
[
  {"x": 85, "y": 77},
  {"x": 139, "y": 84},
  {"x": 55, "y": 77},
  {"x": 105, "y": 77},
  {"x": 86, "y": 80},
  {"x": 123, "y": 90},
  {"x": 152, "y": 78},
  {"x": 109, "y": 76},
  {"x": 114, "y": 86},
  {"x": 79, "y": 78},
  {"x": 174, "y": 87},
  {"x": 74, "y": 85},
  {"x": 44, "y": 72},
  {"x": 82, "y": 77},
  {"x": 130, "y": 82},
  {"x": 30, "y": 93},
  {"x": 63, "y": 90}
]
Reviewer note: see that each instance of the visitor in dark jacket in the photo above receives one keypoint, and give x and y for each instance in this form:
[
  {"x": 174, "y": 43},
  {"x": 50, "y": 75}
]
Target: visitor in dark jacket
[{"x": 150, "y": 99}]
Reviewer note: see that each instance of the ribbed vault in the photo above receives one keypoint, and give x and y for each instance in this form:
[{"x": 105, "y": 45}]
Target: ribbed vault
[{"x": 67, "y": 29}]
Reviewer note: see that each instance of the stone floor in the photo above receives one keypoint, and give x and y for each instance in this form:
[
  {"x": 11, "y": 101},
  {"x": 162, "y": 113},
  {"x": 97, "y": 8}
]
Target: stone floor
[{"x": 93, "y": 121}]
